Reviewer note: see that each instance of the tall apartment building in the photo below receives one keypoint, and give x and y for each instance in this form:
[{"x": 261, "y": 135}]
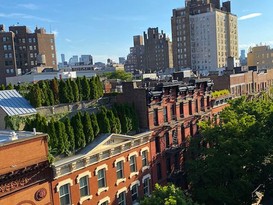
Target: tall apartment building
[
  {"x": 204, "y": 35},
  {"x": 158, "y": 50},
  {"x": 136, "y": 58},
  {"x": 21, "y": 50},
  {"x": 260, "y": 56}
]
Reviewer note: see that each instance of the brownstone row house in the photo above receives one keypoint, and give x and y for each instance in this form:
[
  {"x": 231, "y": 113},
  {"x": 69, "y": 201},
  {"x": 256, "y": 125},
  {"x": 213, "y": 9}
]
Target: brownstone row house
[{"x": 114, "y": 169}]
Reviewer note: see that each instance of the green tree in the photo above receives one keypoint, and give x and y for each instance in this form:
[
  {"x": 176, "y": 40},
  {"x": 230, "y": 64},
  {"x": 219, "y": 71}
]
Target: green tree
[
  {"x": 238, "y": 153},
  {"x": 55, "y": 89},
  {"x": 119, "y": 75},
  {"x": 63, "y": 144},
  {"x": 85, "y": 89},
  {"x": 70, "y": 94},
  {"x": 78, "y": 131},
  {"x": 79, "y": 83},
  {"x": 75, "y": 91},
  {"x": 2, "y": 87},
  {"x": 35, "y": 96},
  {"x": 9, "y": 87},
  {"x": 87, "y": 128},
  {"x": 103, "y": 121},
  {"x": 95, "y": 125},
  {"x": 167, "y": 195},
  {"x": 99, "y": 86},
  {"x": 63, "y": 92},
  {"x": 53, "y": 140},
  {"x": 93, "y": 89},
  {"x": 70, "y": 135}
]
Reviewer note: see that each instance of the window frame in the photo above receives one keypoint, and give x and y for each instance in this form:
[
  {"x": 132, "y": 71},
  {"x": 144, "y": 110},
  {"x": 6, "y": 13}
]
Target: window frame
[
  {"x": 86, "y": 186},
  {"x": 67, "y": 194}
]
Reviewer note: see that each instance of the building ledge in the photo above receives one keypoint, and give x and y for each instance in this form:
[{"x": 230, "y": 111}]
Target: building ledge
[
  {"x": 120, "y": 180},
  {"x": 85, "y": 198},
  {"x": 102, "y": 190},
  {"x": 145, "y": 168},
  {"x": 133, "y": 174}
]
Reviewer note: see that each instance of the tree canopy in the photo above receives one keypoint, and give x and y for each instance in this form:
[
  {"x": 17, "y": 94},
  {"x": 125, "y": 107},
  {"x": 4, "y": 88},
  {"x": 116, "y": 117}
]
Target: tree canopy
[
  {"x": 231, "y": 159},
  {"x": 167, "y": 195}
]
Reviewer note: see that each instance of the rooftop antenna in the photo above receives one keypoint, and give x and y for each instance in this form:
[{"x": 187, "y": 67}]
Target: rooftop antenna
[{"x": 50, "y": 29}]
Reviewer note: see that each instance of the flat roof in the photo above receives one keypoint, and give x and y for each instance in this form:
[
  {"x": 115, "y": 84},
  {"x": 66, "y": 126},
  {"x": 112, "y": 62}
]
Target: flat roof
[{"x": 10, "y": 136}]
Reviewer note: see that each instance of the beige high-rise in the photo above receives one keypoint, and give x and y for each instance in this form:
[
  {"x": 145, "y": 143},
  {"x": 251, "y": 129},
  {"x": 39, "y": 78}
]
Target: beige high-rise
[
  {"x": 204, "y": 35},
  {"x": 260, "y": 56}
]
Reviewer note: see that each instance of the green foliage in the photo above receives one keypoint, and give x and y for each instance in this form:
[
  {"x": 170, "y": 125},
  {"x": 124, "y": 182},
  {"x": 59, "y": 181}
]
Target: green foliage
[
  {"x": 9, "y": 87},
  {"x": 70, "y": 94},
  {"x": 87, "y": 127},
  {"x": 55, "y": 89},
  {"x": 119, "y": 75},
  {"x": 35, "y": 96},
  {"x": 63, "y": 144},
  {"x": 95, "y": 125},
  {"x": 2, "y": 87},
  {"x": 167, "y": 195},
  {"x": 235, "y": 156},
  {"x": 85, "y": 89},
  {"x": 75, "y": 91},
  {"x": 94, "y": 91},
  {"x": 78, "y": 131},
  {"x": 219, "y": 93},
  {"x": 70, "y": 135},
  {"x": 103, "y": 121},
  {"x": 63, "y": 92}
]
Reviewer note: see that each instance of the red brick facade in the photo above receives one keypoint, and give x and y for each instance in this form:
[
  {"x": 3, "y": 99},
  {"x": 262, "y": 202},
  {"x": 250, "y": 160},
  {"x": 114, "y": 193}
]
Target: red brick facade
[{"x": 25, "y": 176}]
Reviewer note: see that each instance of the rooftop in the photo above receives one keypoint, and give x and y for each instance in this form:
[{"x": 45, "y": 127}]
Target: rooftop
[
  {"x": 8, "y": 136},
  {"x": 14, "y": 104}
]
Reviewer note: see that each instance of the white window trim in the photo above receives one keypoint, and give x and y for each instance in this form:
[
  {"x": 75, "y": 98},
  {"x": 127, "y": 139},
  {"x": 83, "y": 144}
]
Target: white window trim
[
  {"x": 85, "y": 198},
  {"x": 147, "y": 176},
  {"x": 134, "y": 183},
  {"x": 87, "y": 173},
  {"x": 120, "y": 180},
  {"x": 133, "y": 174},
  {"x": 132, "y": 154},
  {"x": 104, "y": 166},
  {"x": 145, "y": 168},
  {"x": 121, "y": 190},
  {"x": 144, "y": 149},
  {"x": 105, "y": 199},
  {"x": 102, "y": 190},
  {"x": 118, "y": 160},
  {"x": 67, "y": 181}
]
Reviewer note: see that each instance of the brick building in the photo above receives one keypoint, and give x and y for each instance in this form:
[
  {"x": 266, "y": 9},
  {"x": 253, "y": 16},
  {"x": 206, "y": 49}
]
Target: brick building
[
  {"x": 20, "y": 49},
  {"x": 24, "y": 169},
  {"x": 244, "y": 83},
  {"x": 171, "y": 111},
  {"x": 113, "y": 169}
]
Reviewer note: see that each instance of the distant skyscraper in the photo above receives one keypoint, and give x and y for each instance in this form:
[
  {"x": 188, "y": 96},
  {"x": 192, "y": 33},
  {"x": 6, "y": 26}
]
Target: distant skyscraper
[
  {"x": 86, "y": 60},
  {"x": 204, "y": 35},
  {"x": 243, "y": 60},
  {"x": 121, "y": 60},
  {"x": 63, "y": 58},
  {"x": 73, "y": 60},
  {"x": 158, "y": 50},
  {"x": 19, "y": 49}
]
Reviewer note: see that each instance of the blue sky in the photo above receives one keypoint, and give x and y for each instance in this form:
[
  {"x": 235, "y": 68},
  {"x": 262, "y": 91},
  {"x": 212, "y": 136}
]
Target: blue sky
[{"x": 105, "y": 28}]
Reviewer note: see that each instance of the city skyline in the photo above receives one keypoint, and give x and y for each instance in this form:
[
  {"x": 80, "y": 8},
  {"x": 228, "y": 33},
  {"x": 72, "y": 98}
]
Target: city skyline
[{"x": 106, "y": 29}]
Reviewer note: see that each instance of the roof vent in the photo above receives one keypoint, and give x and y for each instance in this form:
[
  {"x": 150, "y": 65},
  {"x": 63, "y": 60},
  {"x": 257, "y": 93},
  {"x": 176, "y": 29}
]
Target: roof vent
[{"x": 13, "y": 136}]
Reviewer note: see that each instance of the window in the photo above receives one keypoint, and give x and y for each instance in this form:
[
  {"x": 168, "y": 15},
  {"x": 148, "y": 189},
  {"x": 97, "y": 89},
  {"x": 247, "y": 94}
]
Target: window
[
  {"x": 190, "y": 107},
  {"x": 168, "y": 165},
  {"x": 84, "y": 191},
  {"x": 196, "y": 105},
  {"x": 133, "y": 167},
  {"x": 120, "y": 174},
  {"x": 51, "y": 40},
  {"x": 157, "y": 144},
  {"x": 122, "y": 198},
  {"x": 183, "y": 133},
  {"x": 146, "y": 186},
  {"x": 144, "y": 158},
  {"x": 101, "y": 178},
  {"x": 173, "y": 110},
  {"x": 30, "y": 40},
  {"x": 134, "y": 193},
  {"x": 104, "y": 203},
  {"x": 167, "y": 139},
  {"x": 52, "y": 47},
  {"x": 5, "y": 47},
  {"x": 158, "y": 171},
  {"x": 65, "y": 195},
  {"x": 165, "y": 114},
  {"x": 156, "y": 117},
  {"x": 181, "y": 109},
  {"x": 30, "y": 48}
]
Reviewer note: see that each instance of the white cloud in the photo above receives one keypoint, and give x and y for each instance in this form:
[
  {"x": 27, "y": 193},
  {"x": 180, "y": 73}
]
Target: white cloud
[
  {"x": 28, "y": 6},
  {"x": 68, "y": 40},
  {"x": 24, "y": 16},
  {"x": 250, "y": 16}
]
